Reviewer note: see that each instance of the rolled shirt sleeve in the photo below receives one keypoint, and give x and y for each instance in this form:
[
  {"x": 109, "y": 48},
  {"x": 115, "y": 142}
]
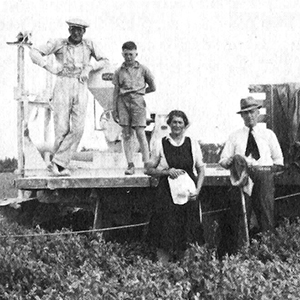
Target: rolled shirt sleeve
[
  {"x": 37, "y": 58},
  {"x": 100, "y": 59},
  {"x": 95, "y": 51},
  {"x": 276, "y": 152},
  {"x": 37, "y": 53},
  {"x": 228, "y": 150}
]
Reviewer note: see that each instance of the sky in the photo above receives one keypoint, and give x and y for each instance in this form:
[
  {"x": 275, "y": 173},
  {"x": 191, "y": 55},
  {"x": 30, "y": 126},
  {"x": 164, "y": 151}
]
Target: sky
[{"x": 203, "y": 53}]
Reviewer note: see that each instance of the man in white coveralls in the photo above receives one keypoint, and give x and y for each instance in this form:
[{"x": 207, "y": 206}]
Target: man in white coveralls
[{"x": 70, "y": 95}]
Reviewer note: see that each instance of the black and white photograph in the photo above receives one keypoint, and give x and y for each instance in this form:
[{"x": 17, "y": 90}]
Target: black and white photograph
[{"x": 150, "y": 149}]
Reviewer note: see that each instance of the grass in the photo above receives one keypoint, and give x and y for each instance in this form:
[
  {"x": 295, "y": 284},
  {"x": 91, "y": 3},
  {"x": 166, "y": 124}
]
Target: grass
[{"x": 7, "y": 189}]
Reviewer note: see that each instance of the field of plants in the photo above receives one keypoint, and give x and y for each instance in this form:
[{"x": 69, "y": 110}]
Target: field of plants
[
  {"x": 84, "y": 266},
  {"x": 41, "y": 264}
]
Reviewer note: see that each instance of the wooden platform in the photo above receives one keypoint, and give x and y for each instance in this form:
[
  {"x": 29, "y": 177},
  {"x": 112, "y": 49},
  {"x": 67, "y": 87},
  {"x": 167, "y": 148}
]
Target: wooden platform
[{"x": 108, "y": 178}]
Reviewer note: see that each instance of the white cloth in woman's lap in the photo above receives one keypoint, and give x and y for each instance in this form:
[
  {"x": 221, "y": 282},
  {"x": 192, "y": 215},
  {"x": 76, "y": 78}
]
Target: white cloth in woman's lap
[{"x": 181, "y": 187}]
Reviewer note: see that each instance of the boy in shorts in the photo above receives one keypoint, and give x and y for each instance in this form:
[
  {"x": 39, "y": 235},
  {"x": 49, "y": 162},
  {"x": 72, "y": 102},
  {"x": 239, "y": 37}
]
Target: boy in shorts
[{"x": 132, "y": 81}]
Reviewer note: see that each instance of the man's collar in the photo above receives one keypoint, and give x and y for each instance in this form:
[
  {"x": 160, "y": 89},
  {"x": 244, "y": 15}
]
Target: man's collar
[
  {"x": 248, "y": 128},
  {"x": 71, "y": 44},
  {"x": 135, "y": 65}
]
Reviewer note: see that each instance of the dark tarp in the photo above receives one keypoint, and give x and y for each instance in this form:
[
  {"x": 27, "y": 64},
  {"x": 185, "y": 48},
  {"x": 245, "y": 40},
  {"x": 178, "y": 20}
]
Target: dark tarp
[{"x": 286, "y": 109}]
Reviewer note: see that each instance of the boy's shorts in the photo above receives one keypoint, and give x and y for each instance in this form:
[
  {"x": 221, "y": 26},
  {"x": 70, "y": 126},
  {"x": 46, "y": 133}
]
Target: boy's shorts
[{"x": 132, "y": 110}]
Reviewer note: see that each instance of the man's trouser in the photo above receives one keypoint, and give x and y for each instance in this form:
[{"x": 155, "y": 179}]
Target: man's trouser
[
  {"x": 261, "y": 202},
  {"x": 263, "y": 197},
  {"x": 69, "y": 105}
]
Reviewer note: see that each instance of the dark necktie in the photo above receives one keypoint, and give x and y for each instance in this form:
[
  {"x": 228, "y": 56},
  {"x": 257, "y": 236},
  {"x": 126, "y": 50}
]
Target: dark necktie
[{"x": 252, "y": 146}]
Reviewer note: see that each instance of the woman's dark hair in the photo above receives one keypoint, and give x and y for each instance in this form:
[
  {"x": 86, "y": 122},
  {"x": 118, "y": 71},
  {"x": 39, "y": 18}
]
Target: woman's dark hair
[{"x": 179, "y": 114}]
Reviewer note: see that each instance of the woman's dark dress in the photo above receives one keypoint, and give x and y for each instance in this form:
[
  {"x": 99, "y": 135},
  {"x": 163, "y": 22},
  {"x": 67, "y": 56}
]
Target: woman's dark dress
[{"x": 172, "y": 227}]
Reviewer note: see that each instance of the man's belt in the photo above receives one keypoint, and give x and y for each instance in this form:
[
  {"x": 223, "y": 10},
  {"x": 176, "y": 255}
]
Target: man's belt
[
  {"x": 69, "y": 75},
  {"x": 261, "y": 168}
]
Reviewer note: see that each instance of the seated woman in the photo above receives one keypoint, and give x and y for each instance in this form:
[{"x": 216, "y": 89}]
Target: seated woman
[{"x": 172, "y": 227}]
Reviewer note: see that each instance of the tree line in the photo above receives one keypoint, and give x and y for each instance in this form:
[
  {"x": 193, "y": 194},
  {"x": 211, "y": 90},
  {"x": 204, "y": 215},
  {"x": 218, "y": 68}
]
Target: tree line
[{"x": 8, "y": 164}]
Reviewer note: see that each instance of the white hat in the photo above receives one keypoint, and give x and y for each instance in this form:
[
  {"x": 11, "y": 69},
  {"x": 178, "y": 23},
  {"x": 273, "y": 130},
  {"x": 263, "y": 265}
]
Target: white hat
[{"x": 77, "y": 23}]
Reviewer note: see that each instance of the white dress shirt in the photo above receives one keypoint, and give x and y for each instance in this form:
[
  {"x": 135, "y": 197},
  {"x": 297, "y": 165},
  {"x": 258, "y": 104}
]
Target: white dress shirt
[{"x": 268, "y": 146}]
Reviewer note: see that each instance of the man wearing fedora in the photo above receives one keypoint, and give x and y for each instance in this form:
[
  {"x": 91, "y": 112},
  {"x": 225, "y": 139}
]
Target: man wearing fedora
[
  {"x": 70, "y": 95},
  {"x": 261, "y": 150}
]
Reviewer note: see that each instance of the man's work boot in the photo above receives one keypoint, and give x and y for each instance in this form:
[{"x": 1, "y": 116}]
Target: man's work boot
[
  {"x": 130, "y": 169},
  {"x": 146, "y": 167},
  {"x": 65, "y": 172},
  {"x": 53, "y": 169}
]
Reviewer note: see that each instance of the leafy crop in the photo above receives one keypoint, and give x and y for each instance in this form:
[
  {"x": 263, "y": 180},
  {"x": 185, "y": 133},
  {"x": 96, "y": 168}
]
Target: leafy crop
[{"x": 87, "y": 267}]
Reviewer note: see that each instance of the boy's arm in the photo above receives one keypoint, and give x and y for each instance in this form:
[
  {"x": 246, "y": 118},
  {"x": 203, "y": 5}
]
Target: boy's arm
[
  {"x": 115, "y": 82},
  {"x": 149, "y": 79},
  {"x": 115, "y": 113}
]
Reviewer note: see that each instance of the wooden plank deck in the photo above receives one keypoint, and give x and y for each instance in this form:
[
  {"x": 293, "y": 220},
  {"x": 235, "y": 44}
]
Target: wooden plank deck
[{"x": 108, "y": 178}]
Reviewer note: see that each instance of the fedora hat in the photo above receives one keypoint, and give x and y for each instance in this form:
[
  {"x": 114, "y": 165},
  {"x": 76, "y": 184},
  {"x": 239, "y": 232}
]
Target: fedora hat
[{"x": 248, "y": 103}]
